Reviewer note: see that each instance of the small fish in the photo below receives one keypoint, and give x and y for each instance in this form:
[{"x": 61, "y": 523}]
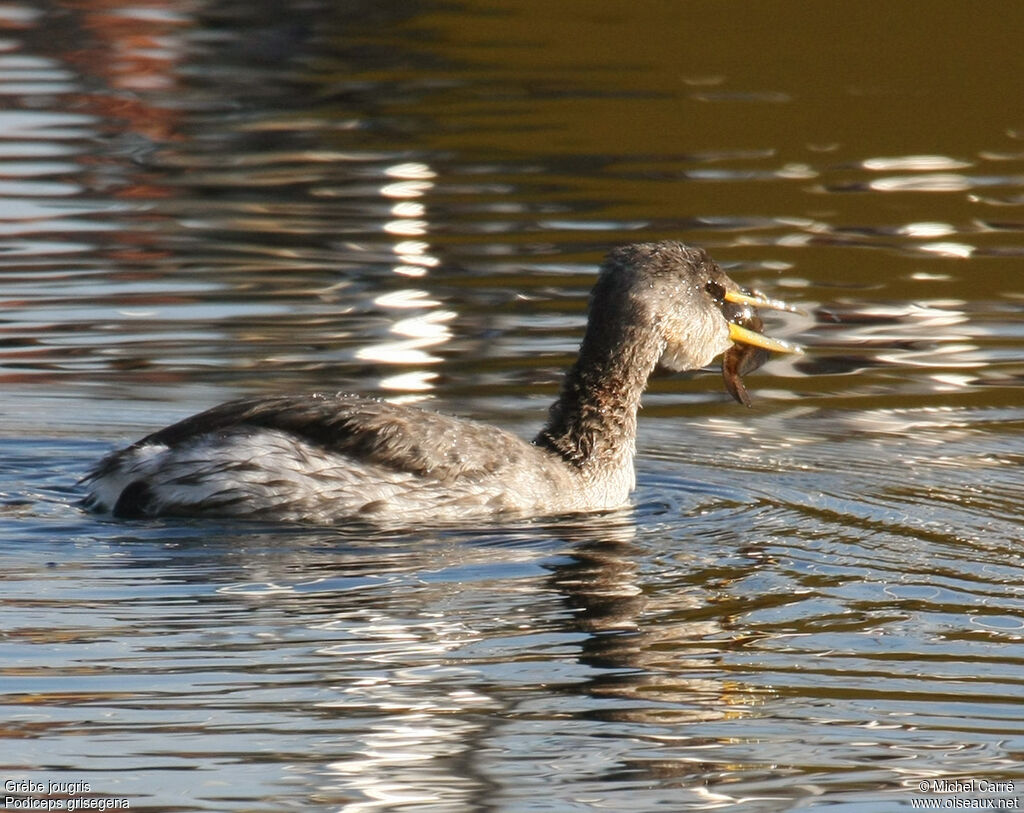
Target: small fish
[
  {"x": 741, "y": 359},
  {"x": 751, "y": 348}
]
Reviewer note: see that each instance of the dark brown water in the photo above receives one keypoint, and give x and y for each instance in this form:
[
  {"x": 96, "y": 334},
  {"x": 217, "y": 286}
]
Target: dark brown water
[{"x": 818, "y": 602}]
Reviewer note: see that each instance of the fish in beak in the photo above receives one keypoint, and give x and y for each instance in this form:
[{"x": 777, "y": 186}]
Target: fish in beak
[{"x": 751, "y": 348}]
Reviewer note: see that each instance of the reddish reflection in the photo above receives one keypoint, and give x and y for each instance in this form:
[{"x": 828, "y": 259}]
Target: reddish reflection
[{"x": 133, "y": 51}]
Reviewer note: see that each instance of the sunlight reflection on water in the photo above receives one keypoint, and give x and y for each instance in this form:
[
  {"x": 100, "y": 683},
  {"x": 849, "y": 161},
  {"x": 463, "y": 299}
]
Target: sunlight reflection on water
[{"x": 815, "y": 601}]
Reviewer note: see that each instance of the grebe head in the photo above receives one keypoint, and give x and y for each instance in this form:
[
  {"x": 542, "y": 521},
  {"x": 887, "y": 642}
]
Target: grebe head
[{"x": 695, "y": 309}]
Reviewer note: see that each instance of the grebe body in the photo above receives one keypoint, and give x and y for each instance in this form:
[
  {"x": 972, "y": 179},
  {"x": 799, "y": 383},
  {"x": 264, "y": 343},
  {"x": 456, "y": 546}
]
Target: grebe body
[{"x": 327, "y": 458}]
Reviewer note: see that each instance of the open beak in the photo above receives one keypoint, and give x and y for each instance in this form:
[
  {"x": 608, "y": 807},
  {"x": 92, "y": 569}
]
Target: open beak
[{"x": 750, "y": 347}]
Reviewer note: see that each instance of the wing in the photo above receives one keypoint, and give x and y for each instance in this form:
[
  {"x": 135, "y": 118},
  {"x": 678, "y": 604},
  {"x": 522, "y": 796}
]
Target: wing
[{"x": 403, "y": 438}]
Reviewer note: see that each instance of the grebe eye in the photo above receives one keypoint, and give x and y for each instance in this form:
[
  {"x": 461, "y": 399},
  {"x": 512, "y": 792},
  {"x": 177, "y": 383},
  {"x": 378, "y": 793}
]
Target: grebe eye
[{"x": 715, "y": 291}]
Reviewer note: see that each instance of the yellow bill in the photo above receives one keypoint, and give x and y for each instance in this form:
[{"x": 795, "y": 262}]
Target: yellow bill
[
  {"x": 758, "y": 300},
  {"x": 746, "y": 336}
]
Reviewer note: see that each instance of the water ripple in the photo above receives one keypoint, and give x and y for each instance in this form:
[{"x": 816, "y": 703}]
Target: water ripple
[{"x": 815, "y": 601}]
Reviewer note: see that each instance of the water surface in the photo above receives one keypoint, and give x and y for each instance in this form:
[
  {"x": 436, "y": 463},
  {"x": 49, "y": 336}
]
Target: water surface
[{"x": 816, "y": 602}]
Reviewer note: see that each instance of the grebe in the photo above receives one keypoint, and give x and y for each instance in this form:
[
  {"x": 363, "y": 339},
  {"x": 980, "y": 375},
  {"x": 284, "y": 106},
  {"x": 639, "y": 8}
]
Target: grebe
[{"x": 326, "y": 458}]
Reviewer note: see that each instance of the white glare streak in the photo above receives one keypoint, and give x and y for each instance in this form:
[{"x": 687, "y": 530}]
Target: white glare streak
[
  {"x": 919, "y": 163},
  {"x": 413, "y": 171},
  {"x": 927, "y": 229},
  {"x": 961, "y": 250}
]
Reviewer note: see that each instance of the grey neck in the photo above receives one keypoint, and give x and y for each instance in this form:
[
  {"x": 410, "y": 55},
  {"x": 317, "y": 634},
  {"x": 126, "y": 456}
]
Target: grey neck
[{"x": 592, "y": 425}]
